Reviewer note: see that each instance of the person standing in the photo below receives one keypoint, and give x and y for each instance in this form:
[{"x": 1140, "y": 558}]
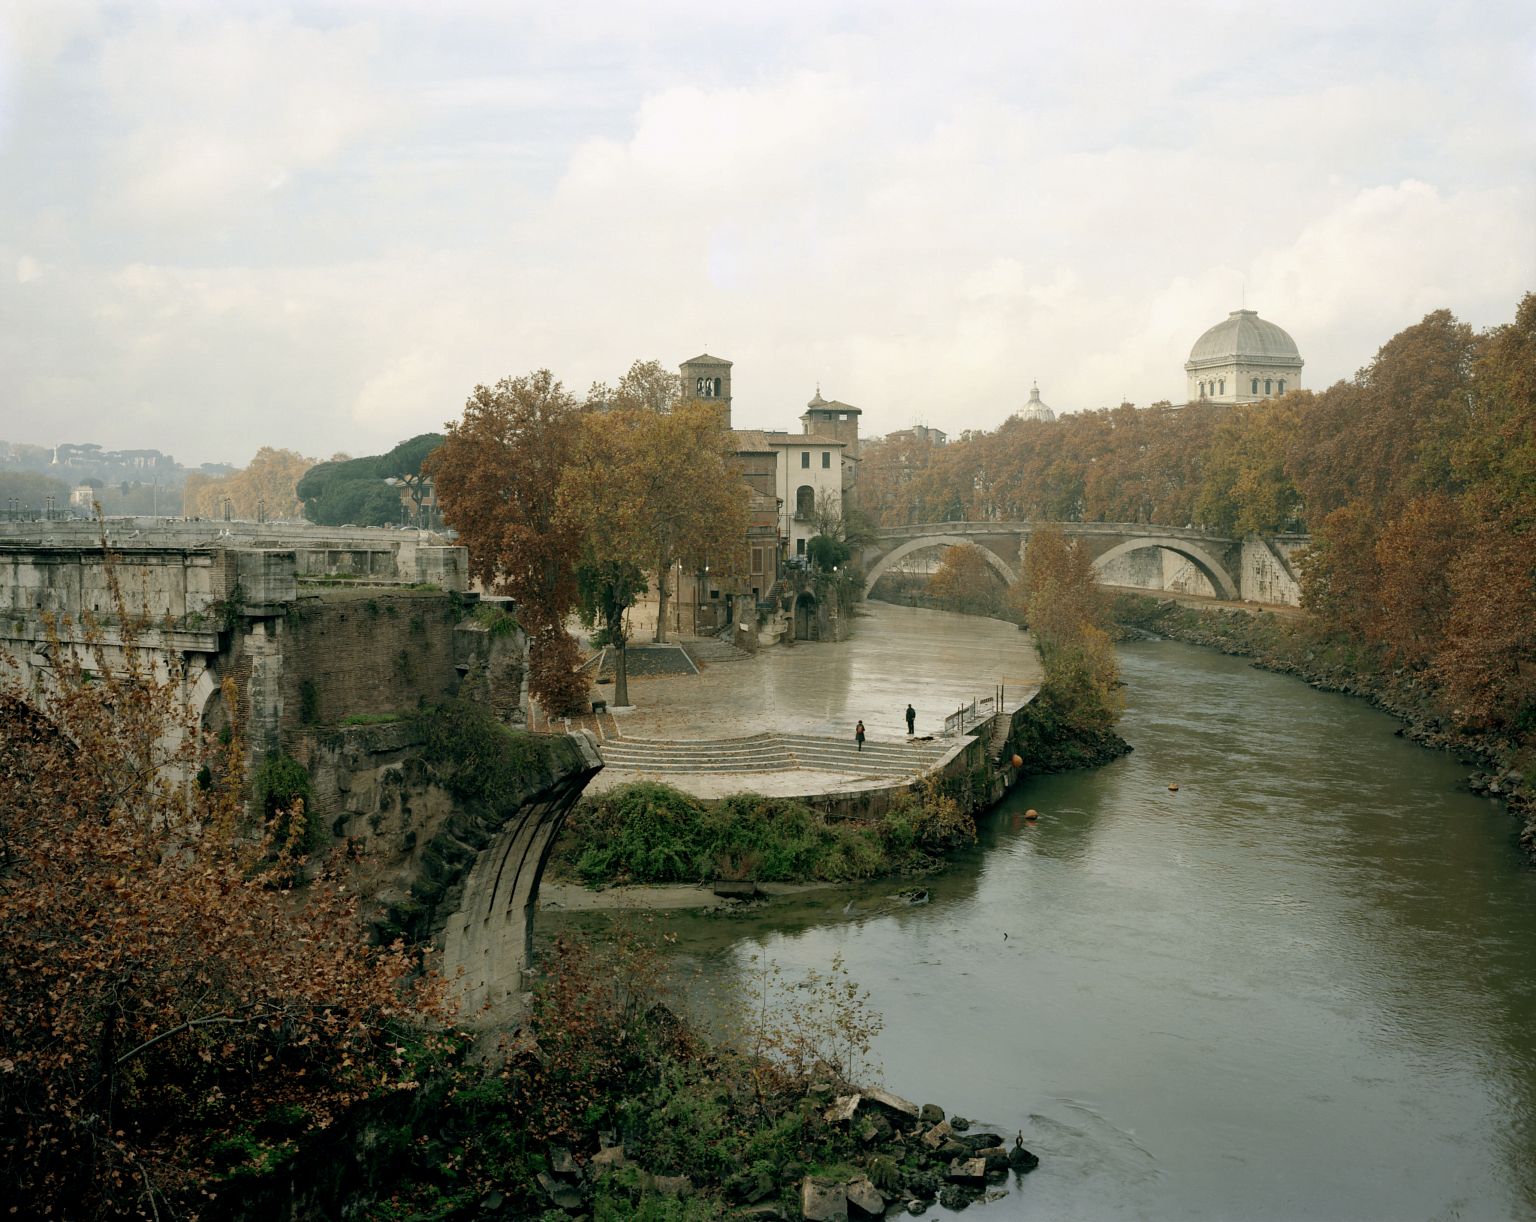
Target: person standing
[
  {"x": 911, "y": 721},
  {"x": 858, "y": 734}
]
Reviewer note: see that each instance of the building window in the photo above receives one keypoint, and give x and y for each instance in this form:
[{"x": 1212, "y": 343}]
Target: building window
[
  {"x": 805, "y": 501},
  {"x": 1255, "y": 386},
  {"x": 1221, "y": 387},
  {"x": 826, "y": 459},
  {"x": 1202, "y": 390},
  {"x": 1280, "y": 386},
  {"x": 1266, "y": 386},
  {"x": 757, "y": 561},
  {"x": 805, "y": 458},
  {"x": 799, "y": 547}
]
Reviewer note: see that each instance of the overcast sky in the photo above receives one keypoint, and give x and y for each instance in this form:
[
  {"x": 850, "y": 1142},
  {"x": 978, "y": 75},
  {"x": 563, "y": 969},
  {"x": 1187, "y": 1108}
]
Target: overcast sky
[{"x": 319, "y": 225}]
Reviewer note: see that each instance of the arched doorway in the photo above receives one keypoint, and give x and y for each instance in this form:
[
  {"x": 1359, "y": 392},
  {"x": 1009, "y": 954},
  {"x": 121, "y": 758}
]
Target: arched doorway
[{"x": 805, "y": 617}]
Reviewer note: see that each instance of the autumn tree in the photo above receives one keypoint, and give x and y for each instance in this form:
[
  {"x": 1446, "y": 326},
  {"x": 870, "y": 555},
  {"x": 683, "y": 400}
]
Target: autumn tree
[
  {"x": 498, "y": 475},
  {"x": 1415, "y": 552},
  {"x": 170, "y": 1007},
  {"x": 654, "y": 484},
  {"x": 1244, "y": 488},
  {"x": 1066, "y": 617},
  {"x": 965, "y": 581},
  {"x": 268, "y": 487}
]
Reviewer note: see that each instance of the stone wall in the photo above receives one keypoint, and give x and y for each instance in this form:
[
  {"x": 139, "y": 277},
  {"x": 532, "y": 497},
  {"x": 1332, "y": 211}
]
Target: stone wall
[
  {"x": 1269, "y": 570},
  {"x": 367, "y": 652},
  {"x": 158, "y": 581}
]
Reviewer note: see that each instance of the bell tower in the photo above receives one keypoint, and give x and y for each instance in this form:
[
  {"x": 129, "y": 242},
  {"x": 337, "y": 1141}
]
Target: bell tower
[{"x": 708, "y": 377}]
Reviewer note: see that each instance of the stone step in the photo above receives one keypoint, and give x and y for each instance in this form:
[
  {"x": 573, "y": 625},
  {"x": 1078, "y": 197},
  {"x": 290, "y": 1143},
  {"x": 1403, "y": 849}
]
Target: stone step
[{"x": 770, "y": 752}]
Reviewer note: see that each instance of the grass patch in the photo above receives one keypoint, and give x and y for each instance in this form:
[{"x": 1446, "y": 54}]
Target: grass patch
[{"x": 652, "y": 833}]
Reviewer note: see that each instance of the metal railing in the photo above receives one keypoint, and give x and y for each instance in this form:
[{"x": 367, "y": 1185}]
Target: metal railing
[{"x": 982, "y": 707}]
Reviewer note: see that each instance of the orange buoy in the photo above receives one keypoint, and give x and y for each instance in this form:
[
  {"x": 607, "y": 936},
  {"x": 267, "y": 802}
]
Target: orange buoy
[
  {"x": 1017, "y": 762},
  {"x": 1174, "y": 788},
  {"x": 1031, "y": 813}
]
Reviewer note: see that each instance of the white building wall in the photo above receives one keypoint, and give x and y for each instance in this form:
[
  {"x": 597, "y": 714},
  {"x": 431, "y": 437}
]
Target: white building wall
[
  {"x": 1239, "y": 382},
  {"x": 823, "y": 482}
]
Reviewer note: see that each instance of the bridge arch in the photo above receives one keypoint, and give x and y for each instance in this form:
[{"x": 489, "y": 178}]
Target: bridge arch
[
  {"x": 1210, "y": 568},
  {"x": 891, "y": 559}
]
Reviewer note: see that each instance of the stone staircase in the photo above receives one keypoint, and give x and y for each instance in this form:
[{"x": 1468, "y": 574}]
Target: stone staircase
[
  {"x": 772, "y": 752},
  {"x": 998, "y": 743}
]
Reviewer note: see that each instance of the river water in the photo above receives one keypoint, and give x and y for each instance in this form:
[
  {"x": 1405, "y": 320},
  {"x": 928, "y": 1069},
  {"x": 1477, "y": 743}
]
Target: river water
[{"x": 1300, "y": 987}]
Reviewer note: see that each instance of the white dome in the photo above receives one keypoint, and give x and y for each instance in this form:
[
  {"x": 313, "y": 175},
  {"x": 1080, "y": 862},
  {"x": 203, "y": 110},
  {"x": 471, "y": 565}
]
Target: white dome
[
  {"x": 1035, "y": 409},
  {"x": 1244, "y": 337}
]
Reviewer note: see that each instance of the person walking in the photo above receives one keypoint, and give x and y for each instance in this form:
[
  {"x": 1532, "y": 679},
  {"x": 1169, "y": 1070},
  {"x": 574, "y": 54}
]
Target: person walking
[
  {"x": 911, "y": 721},
  {"x": 858, "y": 734}
]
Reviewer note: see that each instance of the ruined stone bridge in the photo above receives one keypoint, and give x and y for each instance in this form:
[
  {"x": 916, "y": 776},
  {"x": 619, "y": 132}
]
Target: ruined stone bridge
[
  {"x": 1256, "y": 568},
  {"x": 334, "y": 638}
]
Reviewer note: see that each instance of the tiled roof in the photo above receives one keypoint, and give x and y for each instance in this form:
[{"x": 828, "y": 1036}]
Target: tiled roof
[{"x": 751, "y": 441}]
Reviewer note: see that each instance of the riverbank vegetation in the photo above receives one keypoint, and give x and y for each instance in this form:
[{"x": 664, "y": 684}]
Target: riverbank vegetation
[
  {"x": 610, "y": 1101},
  {"x": 652, "y": 833}
]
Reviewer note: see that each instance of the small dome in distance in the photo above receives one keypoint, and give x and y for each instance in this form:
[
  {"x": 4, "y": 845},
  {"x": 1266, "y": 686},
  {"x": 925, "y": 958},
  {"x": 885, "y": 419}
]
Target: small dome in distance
[{"x": 1035, "y": 409}]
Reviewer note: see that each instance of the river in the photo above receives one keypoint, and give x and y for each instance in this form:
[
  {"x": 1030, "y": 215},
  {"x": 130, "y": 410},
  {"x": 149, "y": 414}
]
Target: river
[{"x": 1300, "y": 987}]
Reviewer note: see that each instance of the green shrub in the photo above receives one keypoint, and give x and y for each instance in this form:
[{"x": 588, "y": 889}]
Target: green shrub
[
  {"x": 281, "y": 784},
  {"x": 648, "y": 832},
  {"x": 476, "y": 757}
]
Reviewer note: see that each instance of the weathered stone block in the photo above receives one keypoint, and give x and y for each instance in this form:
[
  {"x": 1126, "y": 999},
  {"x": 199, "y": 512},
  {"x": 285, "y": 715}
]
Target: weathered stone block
[
  {"x": 894, "y": 1104},
  {"x": 864, "y": 1198},
  {"x": 968, "y": 1170},
  {"x": 823, "y": 1200},
  {"x": 842, "y": 1109}
]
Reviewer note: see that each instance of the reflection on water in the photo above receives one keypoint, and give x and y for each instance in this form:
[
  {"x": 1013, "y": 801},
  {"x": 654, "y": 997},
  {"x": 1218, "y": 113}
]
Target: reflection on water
[{"x": 1298, "y": 987}]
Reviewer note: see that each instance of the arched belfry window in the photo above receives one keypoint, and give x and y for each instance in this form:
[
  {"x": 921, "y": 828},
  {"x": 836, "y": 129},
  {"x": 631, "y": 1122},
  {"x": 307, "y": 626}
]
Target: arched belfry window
[{"x": 717, "y": 388}]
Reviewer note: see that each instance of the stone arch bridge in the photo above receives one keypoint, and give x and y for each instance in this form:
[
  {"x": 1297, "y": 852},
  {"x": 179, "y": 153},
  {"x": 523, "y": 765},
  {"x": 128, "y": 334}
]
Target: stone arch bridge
[{"x": 1256, "y": 569}]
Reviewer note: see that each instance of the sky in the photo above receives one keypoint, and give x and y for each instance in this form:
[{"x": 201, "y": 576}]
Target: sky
[{"x": 318, "y": 226}]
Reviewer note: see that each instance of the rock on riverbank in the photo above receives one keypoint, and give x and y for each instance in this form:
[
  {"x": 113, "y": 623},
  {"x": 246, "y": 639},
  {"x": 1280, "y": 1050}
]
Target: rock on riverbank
[{"x": 908, "y": 1158}]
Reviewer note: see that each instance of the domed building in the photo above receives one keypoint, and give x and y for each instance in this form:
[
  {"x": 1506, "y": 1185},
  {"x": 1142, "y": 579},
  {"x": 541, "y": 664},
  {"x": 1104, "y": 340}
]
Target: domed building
[
  {"x": 1243, "y": 359},
  {"x": 1035, "y": 409}
]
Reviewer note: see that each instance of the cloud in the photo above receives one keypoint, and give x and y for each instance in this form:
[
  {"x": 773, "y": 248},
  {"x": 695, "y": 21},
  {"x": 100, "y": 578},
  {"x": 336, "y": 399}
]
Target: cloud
[
  {"x": 214, "y": 116},
  {"x": 322, "y": 233}
]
